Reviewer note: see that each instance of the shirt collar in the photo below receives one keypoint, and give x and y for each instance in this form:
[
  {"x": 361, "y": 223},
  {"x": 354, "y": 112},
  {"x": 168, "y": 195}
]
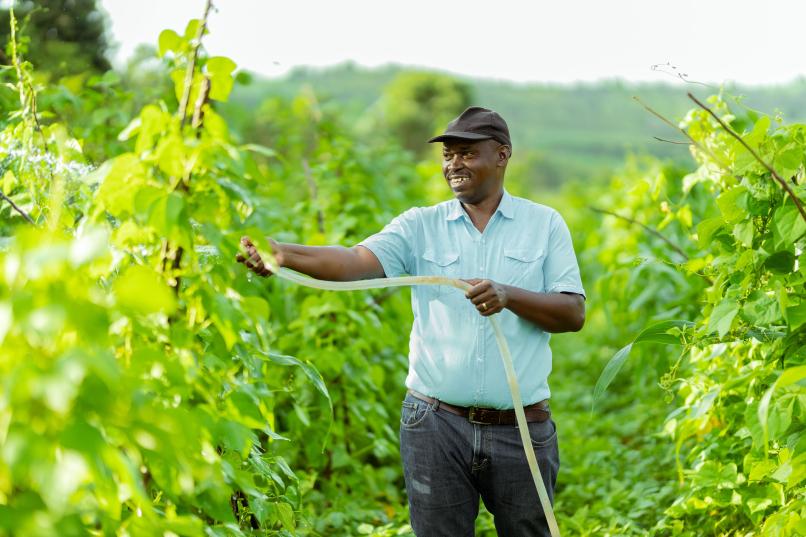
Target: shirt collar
[
  {"x": 505, "y": 207},
  {"x": 455, "y": 210}
]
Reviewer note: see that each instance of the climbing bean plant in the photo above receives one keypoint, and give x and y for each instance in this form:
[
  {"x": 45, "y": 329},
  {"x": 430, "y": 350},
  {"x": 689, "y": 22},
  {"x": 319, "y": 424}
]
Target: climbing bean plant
[
  {"x": 724, "y": 251},
  {"x": 149, "y": 385}
]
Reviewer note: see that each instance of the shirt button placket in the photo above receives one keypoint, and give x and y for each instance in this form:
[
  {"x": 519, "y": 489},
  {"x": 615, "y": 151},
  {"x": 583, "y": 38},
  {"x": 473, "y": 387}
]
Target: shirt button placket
[{"x": 481, "y": 321}]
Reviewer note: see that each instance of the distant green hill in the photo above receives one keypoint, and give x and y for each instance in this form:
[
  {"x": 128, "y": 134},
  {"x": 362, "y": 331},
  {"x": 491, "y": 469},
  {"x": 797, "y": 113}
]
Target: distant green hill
[{"x": 559, "y": 132}]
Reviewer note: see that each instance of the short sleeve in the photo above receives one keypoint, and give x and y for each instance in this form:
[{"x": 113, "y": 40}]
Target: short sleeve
[
  {"x": 560, "y": 269},
  {"x": 393, "y": 244}
]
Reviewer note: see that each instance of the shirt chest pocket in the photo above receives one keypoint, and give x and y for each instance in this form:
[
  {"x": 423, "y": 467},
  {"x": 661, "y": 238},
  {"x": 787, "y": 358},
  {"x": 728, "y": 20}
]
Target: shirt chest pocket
[
  {"x": 440, "y": 263},
  {"x": 523, "y": 267}
]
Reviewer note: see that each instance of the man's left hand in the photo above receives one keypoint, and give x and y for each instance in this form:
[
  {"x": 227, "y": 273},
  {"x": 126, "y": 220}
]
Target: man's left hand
[{"x": 488, "y": 296}]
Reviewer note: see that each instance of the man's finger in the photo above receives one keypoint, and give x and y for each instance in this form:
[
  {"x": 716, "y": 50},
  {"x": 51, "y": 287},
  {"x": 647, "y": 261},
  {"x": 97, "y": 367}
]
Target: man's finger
[
  {"x": 477, "y": 289},
  {"x": 473, "y": 291},
  {"x": 482, "y": 298}
]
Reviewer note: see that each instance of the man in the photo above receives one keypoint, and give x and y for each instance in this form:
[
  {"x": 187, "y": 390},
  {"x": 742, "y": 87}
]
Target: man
[{"x": 458, "y": 435}]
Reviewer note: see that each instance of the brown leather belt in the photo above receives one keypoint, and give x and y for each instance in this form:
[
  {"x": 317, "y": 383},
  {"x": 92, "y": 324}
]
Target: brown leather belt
[{"x": 489, "y": 416}]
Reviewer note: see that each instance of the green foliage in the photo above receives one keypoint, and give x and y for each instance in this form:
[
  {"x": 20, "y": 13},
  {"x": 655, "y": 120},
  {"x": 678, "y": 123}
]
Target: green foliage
[
  {"x": 739, "y": 422},
  {"x": 150, "y": 386},
  {"x": 562, "y": 133},
  {"x": 162, "y": 389},
  {"x": 63, "y": 37},
  {"x": 416, "y": 106}
]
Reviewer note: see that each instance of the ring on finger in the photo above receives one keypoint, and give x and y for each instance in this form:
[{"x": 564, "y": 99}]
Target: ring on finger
[{"x": 483, "y": 306}]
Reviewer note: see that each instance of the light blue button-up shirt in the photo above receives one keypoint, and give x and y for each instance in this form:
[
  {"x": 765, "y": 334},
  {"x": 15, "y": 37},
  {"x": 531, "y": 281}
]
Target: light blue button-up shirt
[{"x": 453, "y": 355}]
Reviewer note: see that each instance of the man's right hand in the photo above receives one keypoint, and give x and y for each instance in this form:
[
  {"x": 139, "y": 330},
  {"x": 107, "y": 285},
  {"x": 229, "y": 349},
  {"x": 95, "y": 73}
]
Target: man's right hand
[
  {"x": 253, "y": 261},
  {"x": 332, "y": 263}
]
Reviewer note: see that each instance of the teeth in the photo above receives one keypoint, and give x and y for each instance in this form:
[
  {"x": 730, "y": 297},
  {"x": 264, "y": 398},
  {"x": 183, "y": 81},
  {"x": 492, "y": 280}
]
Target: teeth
[{"x": 458, "y": 180}]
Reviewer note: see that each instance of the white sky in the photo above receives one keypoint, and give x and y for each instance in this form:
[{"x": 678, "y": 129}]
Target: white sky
[{"x": 746, "y": 41}]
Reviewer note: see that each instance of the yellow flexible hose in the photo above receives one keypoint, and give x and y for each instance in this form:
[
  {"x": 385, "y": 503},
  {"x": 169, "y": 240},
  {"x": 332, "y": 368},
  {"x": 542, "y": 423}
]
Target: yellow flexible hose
[{"x": 512, "y": 380}]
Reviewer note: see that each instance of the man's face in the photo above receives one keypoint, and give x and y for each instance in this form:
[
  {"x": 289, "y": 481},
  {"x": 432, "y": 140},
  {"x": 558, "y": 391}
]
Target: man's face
[{"x": 474, "y": 170}]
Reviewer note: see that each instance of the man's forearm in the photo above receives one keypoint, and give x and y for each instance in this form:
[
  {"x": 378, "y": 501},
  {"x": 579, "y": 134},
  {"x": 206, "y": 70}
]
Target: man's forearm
[
  {"x": 553, "y": 312},
  {"x": 334, "y": 263}
]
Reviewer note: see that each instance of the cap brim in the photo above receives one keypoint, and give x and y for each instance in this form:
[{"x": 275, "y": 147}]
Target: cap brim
[{"x": 459, "y": 135}]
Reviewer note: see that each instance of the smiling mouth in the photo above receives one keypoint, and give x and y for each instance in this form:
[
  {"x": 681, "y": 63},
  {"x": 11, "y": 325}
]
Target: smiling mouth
[{"x": 457, "y": 180}]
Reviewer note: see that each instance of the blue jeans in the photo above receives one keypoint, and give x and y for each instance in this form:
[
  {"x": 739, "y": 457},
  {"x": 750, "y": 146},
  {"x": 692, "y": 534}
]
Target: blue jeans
[{"x": 449, "y": 462}]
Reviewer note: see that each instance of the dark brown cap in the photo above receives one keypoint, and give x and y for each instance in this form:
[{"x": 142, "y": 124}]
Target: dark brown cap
[{"x": 476, "y": 123}]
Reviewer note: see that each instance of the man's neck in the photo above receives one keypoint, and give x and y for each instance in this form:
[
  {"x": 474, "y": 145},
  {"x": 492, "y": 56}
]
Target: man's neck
[{"x": 481, "y": 212}]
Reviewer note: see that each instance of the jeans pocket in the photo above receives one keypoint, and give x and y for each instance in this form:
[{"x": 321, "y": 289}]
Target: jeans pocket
[
  {"x": 412, "y": 414},
  {"x": 542, "y": 433}
]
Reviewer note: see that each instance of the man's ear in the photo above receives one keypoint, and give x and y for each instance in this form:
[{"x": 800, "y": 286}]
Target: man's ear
[{"x": 504, "y": 152}]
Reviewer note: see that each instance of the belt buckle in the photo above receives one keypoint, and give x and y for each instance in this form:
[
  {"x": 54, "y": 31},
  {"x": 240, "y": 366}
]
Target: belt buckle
[{"x": 471, "y": 415}]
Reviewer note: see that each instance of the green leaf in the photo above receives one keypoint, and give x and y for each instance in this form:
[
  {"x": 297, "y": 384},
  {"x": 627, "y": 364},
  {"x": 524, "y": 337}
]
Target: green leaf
[
  {"x": 142, "y": 290},
  {"x": 260, "y": 149},
  {"x": 225, "y": 318},
  {"x": 286, "y": 515},
  {"x": 761, "y": 309},
  {"x": 166, "y": 214},
  {"x": 780, "y": 262},
  {"x": 171, "y": 155},
  {"x": 656, "y": 333},
  {"x": 310, "y": 371},
  {"x": 215, "y": 501},
  {"x": 220, "y": 64},
  {"x": 153, "y": 123},
  {"x": 760, "y": 470},
  {"x": 238, "y": 191},
  {"x": 255, "y": 307},
  {"x": 759, "y": 131},
  {"x": 789, "y": 160},
  {"x": 131, "y": 129},
  {"x": 780, "y": 416},
  {"x": 235, "y": 436},
  {"x": 716, "y": 475},
  {"x": 722, "y": 316},
  {"x": 788, "y": 225},
  {"x": 120, "y": 184},
  {"x": 185, "y": 525},
  {"x": 144, "y": 200},
  {"x": 83, "y": 437},
  {"x": 733, "y": 204},
  {"x": 178, "y": 77},
  {"x": 743, "y": 231},
  {"x": 169, "y": 41},
  {"x": 9, "y": 180},
  {"x": 707, "y": 229},
  {"x": 796, "y": 315},
  {"x": 192, "y": 29},
  {"x": 609, "y": 372},
  {"x": 788, "y": 377},
  {"x": 798, "y": 472},
  {"x": 220, "y": 70}
]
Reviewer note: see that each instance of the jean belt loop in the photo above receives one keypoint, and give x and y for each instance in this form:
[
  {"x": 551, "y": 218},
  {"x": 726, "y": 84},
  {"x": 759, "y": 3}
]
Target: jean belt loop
[{"x": 436, "y": 404}]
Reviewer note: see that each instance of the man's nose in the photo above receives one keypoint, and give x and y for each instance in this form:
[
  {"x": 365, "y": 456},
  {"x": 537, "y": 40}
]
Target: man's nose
[{"x": 455, "y": 162}]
